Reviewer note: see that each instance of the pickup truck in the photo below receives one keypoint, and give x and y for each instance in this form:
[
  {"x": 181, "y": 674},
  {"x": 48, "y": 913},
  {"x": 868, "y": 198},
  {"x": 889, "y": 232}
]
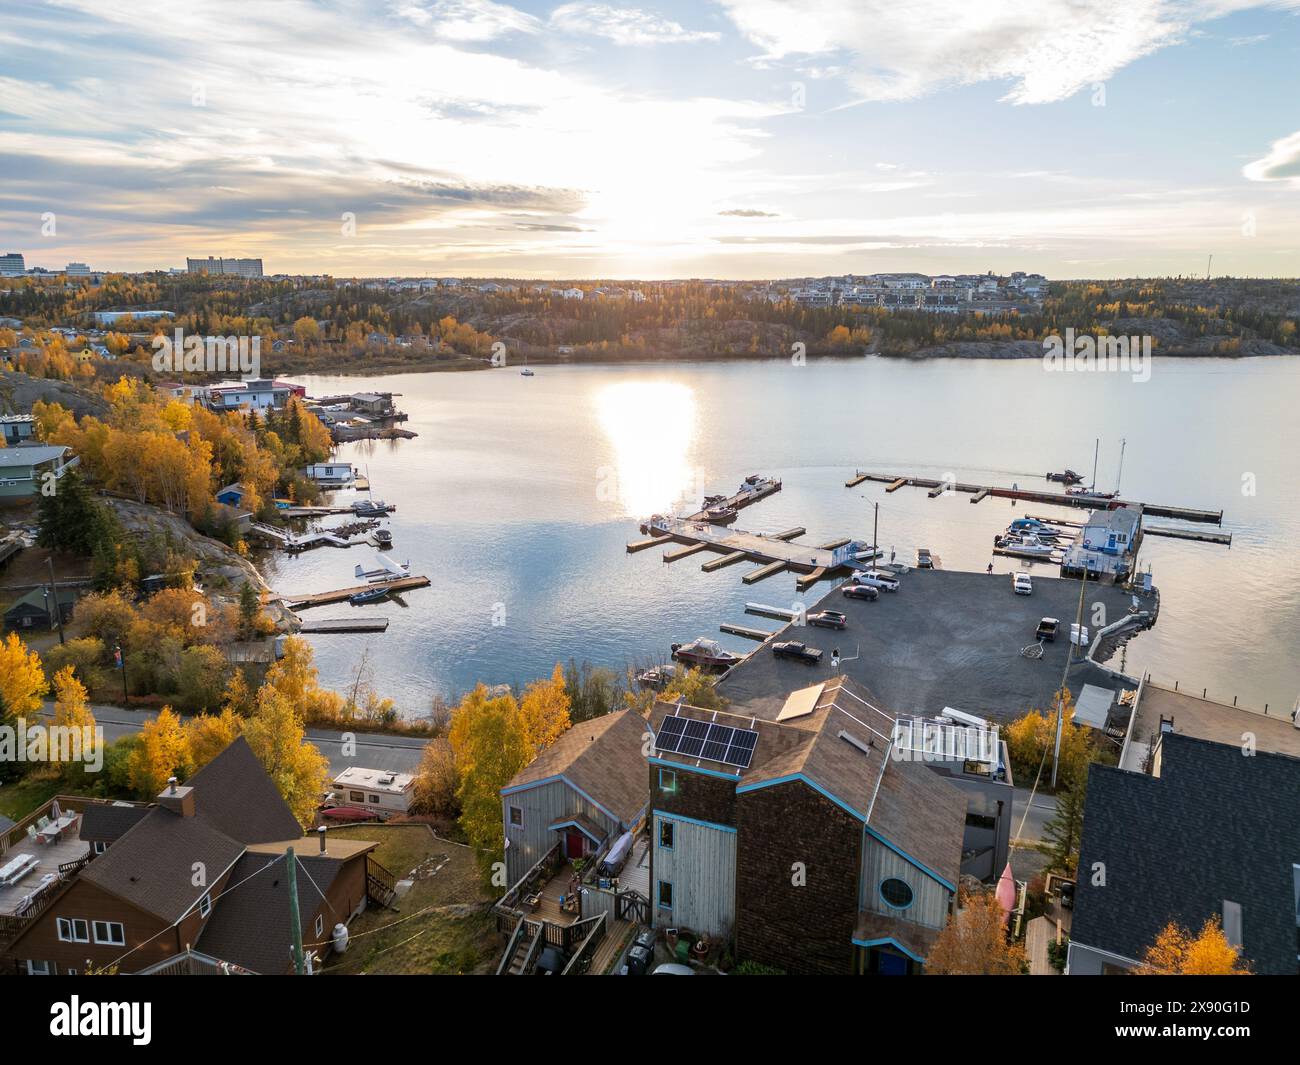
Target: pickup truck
[
  {"x": 801, "y": 652},
  {"x": 1047, "y": 629}
]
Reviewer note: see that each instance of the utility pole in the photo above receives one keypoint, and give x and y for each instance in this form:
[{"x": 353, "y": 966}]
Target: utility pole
[
  {"x": 295, "y": 920},
  {"x": 54, "y": 594},
  {"x": 1060, "y": 699},
  {"x": 875, "y": 532},
  {"x": 120, "y": 655}
]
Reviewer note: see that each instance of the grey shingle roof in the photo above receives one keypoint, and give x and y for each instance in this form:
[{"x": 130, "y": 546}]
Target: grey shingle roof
[
  {"x": 250, "y": 924},
  {"x": 106, "y": 823},
  {"x": 235, "y": 804},
  {"x": 1213, "y": 826}
]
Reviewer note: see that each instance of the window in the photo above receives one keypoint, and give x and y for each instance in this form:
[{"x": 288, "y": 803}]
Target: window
[
  {"x": 516, "y": 817},
  {"x": 73, "y": 930},
  {"x": 205, "y": 904},
  {"x": 665, "y": 895},
  {"x": 39, "y": 968},
  {"x": 667, "y": 780},
  {"x": 98, "y": 847},
  {"x": 374, "y": 800},
  {"x": 896, "y": 893},
  {"x": 320, "y": 925},
  {"x": 981, "y": 821},
  {"x": 110, "y": 933},
  {"x": 356, "y": 796},
  {"x": 666, "y": 835}
]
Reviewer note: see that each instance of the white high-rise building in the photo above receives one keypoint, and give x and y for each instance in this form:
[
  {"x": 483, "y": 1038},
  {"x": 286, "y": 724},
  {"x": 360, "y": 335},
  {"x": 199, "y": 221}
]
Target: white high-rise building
[
  {"x": 12, "y": 265},
  {"x": 77, "y": 270},
  {"x": 225, "y": 267}
]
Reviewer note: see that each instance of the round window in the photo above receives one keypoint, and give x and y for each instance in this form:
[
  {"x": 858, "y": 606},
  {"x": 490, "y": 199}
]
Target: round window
[{"x": 896, "y": 892}]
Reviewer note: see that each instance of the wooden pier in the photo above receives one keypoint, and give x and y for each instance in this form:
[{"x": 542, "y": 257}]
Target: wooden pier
[
  {"x": 741, "y": 499},
  {"x": 744, "y": 630},
  {"x": 1059, "y": 499},
  {"x": 1189, "y": 534},
  {"x": 359, "y": 624},
  {"x": 343, "y": 594}
]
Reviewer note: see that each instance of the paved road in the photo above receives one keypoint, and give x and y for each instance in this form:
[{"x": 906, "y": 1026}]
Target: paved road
[
  {"x": 397, "y": 753},
  {"x": 1042, "y": 811}
]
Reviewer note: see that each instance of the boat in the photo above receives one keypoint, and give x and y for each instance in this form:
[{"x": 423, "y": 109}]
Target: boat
[
  {"x": 720, "y": 515},
  {"x": 924, "y": 560},
  {"x": 705, "y": 653},
  {"x": 370, "y": 508},
  {"x": 524, "y": 371},
  {"x": 1026, "y": 545},
  {"x": 1067, "y": 476},
  {"x": 710, "y": 501},
  {"x": 654, "y": 678},
  {"x": 1091, "y": 493},
  {"x": 383, "y": 537},
  {"x": 370, "y": 595}
]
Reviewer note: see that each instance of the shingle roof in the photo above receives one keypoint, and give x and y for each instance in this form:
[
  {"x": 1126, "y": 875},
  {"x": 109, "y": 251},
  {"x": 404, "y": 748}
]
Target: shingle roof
[
  {"x": 106, "y": 823},
  {"x": 1174, "y": 847},
  {"x": 250, "y": 925},
  {"x": 29, "y": 456},
  {"x": 603, "y": 758},
  {"x": 235, "y": 804}
]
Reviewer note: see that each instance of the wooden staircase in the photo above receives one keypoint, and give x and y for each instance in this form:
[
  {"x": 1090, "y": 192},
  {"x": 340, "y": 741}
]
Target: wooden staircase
[{"x": 521, "y": 951}]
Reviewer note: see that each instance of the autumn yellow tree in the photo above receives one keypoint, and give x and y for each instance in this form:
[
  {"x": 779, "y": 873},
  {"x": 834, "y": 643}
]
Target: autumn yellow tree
[
  {"x": 544, "y": 710},
  {"x": 276, "y": 735},
  {"x": 1177, "y": 952},
  {"x": 22, "y": 681},
  {"x": 436, "y": 780},
  {"x": 71, "y": 711},
  {"x": 163, "y": 752},
  {"x": 210, "y": 734},
  {"x": 974, "y": 942},
  {"x": 491, "y": 746},
  {"x": 1033, "y": 735}
]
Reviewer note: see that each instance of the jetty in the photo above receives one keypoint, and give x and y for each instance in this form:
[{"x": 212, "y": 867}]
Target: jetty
[
  {"x": 745, "y": 631},
  {"x": 1086, "y": 501},
  {"x": 358, "y": 624},
  {"x": 400, "y": 584},
  {"x": 753, "y": 489}
]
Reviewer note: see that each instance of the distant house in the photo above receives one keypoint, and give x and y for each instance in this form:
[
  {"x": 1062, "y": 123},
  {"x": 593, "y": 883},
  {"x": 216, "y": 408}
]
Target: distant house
[
  {"x": 24, "y": 470},
  {"x": 802, "y": 839},
  {"x": 16, "y": 428},
  {"x": 232, "y": 495},
  {"x": 585, "y": 789},
  {"x": 373, "y": 403},
  {"x": 1106, "y": 545},
  {"x": 330, "y": 474},
  {"x": 260, "y": 394},
  {"x": 147, "y": 892},
  {"x": 33, "y": 610}
]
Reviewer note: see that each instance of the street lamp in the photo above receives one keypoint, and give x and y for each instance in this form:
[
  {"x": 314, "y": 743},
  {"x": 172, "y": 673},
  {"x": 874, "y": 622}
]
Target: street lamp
[{"x": 119, "y": 660}]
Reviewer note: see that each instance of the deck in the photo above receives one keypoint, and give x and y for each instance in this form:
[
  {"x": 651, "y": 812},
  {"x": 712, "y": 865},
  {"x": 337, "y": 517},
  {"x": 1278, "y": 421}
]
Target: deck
[{"x": 50, "y": 856}]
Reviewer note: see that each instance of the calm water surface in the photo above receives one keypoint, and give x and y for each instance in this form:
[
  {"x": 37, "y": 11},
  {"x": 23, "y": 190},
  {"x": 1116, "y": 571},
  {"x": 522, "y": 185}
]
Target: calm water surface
[{"x": 519, "y": 494}]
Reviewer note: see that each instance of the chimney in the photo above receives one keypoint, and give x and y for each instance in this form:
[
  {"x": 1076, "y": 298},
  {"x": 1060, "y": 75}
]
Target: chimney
[
  {"x": 321, "y": 833},
  {"x": 177, "y": 798}
]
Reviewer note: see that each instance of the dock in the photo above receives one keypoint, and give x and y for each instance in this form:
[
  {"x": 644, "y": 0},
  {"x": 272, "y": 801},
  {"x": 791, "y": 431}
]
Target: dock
[
  {"x": 368, "y": 624},
  {"x": 341, "y": 595},
  {"x": 771, "y": 569},
  {"x": 746, "y": 497},
  {"x": 725, "y": 560},
  {"x": 1189, "y": 534},
  {"x": 762, "y": 610},
  {"x": 745, "y": 631},
  {"x": 1058, "y": 499}
]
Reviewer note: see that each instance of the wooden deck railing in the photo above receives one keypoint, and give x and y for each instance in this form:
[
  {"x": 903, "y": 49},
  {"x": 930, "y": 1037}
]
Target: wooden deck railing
[{"x": 589, "y": 933}]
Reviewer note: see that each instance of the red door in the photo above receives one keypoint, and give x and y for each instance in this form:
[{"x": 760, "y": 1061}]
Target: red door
[{"x": 573, "y": 844}]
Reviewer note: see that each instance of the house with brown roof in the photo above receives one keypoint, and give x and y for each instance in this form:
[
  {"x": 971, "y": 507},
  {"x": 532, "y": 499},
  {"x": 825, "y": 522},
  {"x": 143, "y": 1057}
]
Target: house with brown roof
[
  {"x": 584, "y": 790},
  {"x": 204, "y": 869},
  {"x": 807, "y": 840}
]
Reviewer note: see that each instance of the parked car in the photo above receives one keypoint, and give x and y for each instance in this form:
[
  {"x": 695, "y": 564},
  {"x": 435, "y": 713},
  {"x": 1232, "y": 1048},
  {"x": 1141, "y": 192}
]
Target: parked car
[
  {"x": 1047, "y": 629},
  {"x": 875, "y": 578},
  {"x": 795, "y": 649},
  {"x": 860, "y": 591},
  {"x": 1022, "y": 584},
  {"x": 828, "y": 619}
]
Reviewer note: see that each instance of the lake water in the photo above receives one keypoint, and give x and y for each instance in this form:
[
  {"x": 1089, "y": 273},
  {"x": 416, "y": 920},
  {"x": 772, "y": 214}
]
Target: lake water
[{"x": 519, "y": 494}]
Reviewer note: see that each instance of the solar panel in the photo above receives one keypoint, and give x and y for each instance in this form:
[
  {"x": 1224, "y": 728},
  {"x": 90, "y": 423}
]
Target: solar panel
[
  {"x": 740, "y": 752},
  {"x": 693, "y": 739},
  {"x": 670, "y": 733}
]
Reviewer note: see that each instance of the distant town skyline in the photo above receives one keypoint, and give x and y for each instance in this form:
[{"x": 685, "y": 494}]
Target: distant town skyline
[{"x": 742, "y": 139}]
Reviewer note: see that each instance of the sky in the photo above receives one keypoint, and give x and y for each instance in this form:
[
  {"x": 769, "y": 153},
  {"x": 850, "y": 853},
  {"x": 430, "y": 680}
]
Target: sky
[{"x": 713, "y": 138}]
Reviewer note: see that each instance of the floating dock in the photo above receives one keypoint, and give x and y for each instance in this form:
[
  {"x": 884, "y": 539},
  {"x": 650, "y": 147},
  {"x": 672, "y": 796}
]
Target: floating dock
[
  {"x": 745, "y": 631},
  {"x": 1189, "y": 534},
  {"x": 746, "y": 497},
  {"x": 343, "y": 594},
  {"x": 1059, "y": 499},
  {"x": 370, "y": 624}
]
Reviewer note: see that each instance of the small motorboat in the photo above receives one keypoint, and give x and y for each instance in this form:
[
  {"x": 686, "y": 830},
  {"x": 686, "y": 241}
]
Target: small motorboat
[
  {"x": 383, "y": 537},
  {"x": 370, "y": 595},
  {"x": 705, "y": 653},
  {"x": 526, "y": 372},
  {"x": 370, "y": 508},
  {"x": 655, "y": 678},
  {"x": 710, "y": 501},
  {"x": 1025, "y": 545},
  {"x": 720, "y": 515},
  {"x": 1066, "y": 476}
]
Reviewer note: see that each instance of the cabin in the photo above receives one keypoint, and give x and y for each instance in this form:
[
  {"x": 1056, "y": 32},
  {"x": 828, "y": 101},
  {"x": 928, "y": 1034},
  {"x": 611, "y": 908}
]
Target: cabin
[
  {"x": 33, "y": 610},
  {"x": 25, "y": 470},
  {"x": 803, "y": 843},
  {"x": 584, "y": 790},
  {"x": 378, "y": 790},
  {"x": 17, "y": 428},
  {"x": 136, "y": 891},
  {"x": 330, "y": 474}
]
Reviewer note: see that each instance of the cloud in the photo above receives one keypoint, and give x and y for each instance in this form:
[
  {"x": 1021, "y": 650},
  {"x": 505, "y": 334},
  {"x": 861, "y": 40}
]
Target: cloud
[
  {"x": 1282, "y": 163},
  {"x": 467, "y": 20},
  {"x": 623, "y": 25},
  {"x": 1047, "y": 50},
  {"x": 744, "y": 212}
]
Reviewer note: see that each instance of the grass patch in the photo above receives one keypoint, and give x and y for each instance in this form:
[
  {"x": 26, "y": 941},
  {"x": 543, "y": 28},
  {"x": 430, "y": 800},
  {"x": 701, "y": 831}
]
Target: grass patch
[
  {"x": 443, "y": 925},
  {"x": 22, "y": 797}
]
